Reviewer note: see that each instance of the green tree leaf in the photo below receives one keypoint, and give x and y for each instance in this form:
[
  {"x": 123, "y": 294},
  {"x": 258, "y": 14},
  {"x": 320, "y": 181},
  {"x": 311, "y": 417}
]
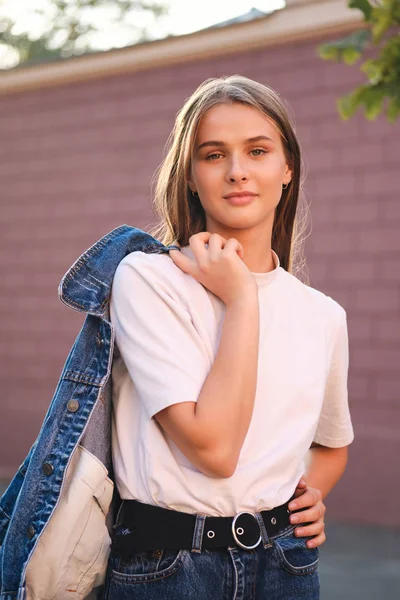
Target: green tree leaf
[
  {"x": 373, "y": 69},
  {"x": 382, "y": 16},
  {"x": 393, "y": 110},
  {"x": 348, "y": 49},
  {"x": 362, "y": 5},
  {"x": 382, "y": 70},
  {"x": 350, "y": 55}
]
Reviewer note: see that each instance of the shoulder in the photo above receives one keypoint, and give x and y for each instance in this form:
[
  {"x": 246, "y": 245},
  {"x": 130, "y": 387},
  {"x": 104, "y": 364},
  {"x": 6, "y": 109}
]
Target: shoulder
[
  {"x": 157, "y": 270},
  {"x": 323, "y": 305}
]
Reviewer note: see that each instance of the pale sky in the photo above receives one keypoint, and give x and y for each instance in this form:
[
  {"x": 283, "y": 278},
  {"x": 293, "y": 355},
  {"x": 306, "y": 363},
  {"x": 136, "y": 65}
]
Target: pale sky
[{"x": 185, "y": 16}]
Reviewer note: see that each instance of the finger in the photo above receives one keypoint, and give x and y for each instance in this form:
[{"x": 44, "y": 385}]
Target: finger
[
  {"x": 310, "y": 497},
  {"x": 307, "y": 516},
  {"x": 215, "y": 245},
  {"x": 299, "y": 491},
  {"x": 302, "y": 484},
  {"x": 312, "y": 529},
  {"x": 316, "y": 541},
  {"x": 185, "y": 263},
  {"x": 197, "y": 243},
  {"x": 233, "y": 245},
  {"x": 204, "y": 236}
]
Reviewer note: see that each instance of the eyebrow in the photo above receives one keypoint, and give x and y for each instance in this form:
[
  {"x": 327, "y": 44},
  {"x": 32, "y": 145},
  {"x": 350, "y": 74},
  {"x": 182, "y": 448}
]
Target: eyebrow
[{"x": 258, "y": 138}]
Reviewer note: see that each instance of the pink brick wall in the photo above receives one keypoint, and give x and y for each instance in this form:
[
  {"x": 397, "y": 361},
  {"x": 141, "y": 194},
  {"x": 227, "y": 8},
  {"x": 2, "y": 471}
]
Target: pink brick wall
[{"x": 76, "y": 161}]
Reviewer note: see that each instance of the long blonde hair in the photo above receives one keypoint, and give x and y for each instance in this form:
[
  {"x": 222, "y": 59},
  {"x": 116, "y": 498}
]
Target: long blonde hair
[{"x": 180, "y": 211}]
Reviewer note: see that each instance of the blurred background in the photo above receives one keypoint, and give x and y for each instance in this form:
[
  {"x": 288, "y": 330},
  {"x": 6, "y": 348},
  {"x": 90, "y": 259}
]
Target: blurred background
[{"x": 89, "y": 90}]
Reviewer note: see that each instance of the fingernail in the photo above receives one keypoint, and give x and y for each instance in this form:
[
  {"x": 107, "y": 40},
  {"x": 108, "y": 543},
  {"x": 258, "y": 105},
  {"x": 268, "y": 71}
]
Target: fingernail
[
  {"x": 293, "y": 505},
  {"x": 299, "y": 531},
  {"x": 294, "y": 519}
]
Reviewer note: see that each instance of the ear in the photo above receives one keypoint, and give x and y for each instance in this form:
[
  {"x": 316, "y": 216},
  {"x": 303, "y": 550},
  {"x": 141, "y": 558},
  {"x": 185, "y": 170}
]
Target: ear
[
  {"x": 191, "y": 185},
  {"x": 288, "y": 175}
]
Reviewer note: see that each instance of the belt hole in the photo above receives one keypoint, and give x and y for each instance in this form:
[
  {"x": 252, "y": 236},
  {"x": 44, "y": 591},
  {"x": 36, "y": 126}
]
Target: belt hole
[
  {"x": 240, "y": 531},
  {"x": 210, "y": 534},
  {"x": 273, "y": 521}
]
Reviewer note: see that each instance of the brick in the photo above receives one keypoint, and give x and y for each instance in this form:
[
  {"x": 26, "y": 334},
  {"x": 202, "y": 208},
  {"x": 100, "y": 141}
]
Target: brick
[
  {"x": 299, "y": 81},
  {"x": 388, "y": 389},
  {"x": 387, "y": 328},
  {"x": 331, "y": 242},
  {"x": 391, "y": 151},
  {"x": 388, "y": 269},
  {"x": 281, "y": 56},
  {"x": 377, "y": 240},
  {"x": 316, "y": 106},
  {"x": 390, "y": 210},
  {"x": 318, "y": 271},
  {"x": 377, "y": 129},
  {"x": 338, "y": 74},
  {"x": 374, "y": 300},
  {"x": 10, "y": 124},
  {"x": 320, "y": 158},
  {"x": 359, "y": 388},
  {"x": 354, "y": 212},
  {"x": 380, "y": 182},
  {"x": 336, "y": 185},
  {"x": 356, "y": 155},
  {"x": 306, "y": 134},
  {"x": 376, "y": 359},
  {"x": 354, "y": 271},
  {"x": 336, "y": 129},
  {"x": 360, "y": 328},
  {"x": 321, "y": 213}
]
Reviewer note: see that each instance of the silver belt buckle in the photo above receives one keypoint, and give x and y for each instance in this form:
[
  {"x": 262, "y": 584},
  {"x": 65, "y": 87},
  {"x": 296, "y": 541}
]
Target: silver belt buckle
[{"x": 244, "y": 512}]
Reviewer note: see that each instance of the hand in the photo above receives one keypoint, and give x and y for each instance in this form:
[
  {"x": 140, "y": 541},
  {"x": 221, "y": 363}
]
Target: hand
[
  {"x": 219, "y": 266},
  {"x": 311, "y": 499}
]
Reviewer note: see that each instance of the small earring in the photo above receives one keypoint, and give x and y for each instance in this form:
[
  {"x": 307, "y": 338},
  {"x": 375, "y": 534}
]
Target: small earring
[
  {"x": 195, "y": 194},
  {"x": 285, "y": 186}
]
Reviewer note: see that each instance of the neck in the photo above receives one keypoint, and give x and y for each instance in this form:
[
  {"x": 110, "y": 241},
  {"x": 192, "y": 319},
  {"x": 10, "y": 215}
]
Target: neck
[{"x": 256, "y": 245}]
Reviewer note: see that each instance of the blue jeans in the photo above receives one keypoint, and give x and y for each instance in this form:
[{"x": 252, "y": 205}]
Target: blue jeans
[{"x": 279, "y": 568}]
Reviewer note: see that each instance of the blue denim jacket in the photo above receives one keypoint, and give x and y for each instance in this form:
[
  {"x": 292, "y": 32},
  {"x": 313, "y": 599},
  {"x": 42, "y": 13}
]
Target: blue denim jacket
[{"x": 73, "y": 445}]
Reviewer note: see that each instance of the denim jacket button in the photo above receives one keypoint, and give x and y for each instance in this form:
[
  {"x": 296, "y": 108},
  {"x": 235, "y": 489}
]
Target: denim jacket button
[
  {"x": 73, "y": 405},
  {"x": 30, "y": 532},
  {"x": 48, "y": 468}
]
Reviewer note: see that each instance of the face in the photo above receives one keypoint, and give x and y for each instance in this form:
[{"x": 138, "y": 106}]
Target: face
[{"x": 238, "y": 149}]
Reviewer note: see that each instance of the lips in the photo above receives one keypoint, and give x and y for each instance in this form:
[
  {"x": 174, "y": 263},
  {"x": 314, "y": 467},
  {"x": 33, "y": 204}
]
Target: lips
[
  {"x": 239, "y": 194},
  {"x": 240, "y": 198}
]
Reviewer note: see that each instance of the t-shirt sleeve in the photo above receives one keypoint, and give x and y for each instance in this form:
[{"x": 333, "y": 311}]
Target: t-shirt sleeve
[
  {"x": 162, "y": 350},
  {"x": 335, "y": 428}
]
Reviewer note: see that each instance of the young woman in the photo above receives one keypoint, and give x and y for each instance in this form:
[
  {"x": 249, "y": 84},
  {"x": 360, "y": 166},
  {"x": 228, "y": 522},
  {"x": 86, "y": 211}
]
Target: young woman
[{"x": 231, "y": 382}]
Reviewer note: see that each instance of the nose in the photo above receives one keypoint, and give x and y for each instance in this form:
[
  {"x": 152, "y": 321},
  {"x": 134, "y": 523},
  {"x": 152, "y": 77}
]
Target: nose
[{"x": 236, "y": 171}]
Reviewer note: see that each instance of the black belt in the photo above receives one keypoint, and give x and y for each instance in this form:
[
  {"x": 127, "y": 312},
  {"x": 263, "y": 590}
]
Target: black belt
[{"x": 141, "y": 527}]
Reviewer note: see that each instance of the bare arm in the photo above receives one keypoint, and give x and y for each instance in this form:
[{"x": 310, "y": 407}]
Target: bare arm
[
  {"x": 325, "y": 467},
  {"x": 211, "y": 432}
]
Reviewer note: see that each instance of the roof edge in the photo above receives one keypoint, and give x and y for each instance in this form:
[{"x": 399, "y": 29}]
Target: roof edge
[{"x": 297, "y": 22}]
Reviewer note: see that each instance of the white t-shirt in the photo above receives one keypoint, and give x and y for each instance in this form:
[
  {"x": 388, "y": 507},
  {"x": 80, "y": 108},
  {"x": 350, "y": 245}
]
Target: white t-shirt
[{"x": 167, "y": 330}]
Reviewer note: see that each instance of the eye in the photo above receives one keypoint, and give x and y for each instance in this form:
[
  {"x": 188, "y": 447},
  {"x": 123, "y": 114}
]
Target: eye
[
  {"x": 260, "y": 150},
  {"x": 213, "y": 155}
]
